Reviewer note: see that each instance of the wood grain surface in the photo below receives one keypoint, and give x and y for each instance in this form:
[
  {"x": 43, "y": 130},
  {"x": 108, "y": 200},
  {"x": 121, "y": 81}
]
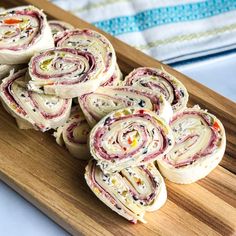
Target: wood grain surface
[{"x": 45, "y": 174}]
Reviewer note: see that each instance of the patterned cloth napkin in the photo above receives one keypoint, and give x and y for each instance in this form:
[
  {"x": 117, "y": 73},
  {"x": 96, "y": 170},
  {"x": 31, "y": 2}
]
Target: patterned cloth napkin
[{"x": 169, "y": 30}]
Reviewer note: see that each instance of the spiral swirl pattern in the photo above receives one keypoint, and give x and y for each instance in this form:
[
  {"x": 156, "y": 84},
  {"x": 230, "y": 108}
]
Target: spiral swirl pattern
[
  {"x": 93, "y": 42},
  {"x": 161, "y": 82},
  {"x": 129, "y": 137},
  {"x": 107, "y": 99},
  {"x": 64, "y": 72},
  {"x": 130, "y": 192},
  {"x": 23, "y": 31},
  {"x": 32, "y": 110},
  {"x": 199, "y": 146}
]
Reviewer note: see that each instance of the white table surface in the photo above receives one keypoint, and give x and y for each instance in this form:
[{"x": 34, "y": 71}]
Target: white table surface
[{"x": 19, "y": 217}]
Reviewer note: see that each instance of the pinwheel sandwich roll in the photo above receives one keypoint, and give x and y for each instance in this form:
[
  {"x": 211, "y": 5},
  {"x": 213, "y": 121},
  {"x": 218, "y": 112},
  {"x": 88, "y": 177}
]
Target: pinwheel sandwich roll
[
  {"x": 58, "y": 26},
  {"x": 115, "y": 79},
  {"x": 107, "y": 99},
  {"x": 130, "y": 192},
  {"x": 129, "y": 137},
  {"x": 74, "y": 134},
  {"x": 199, "y": 146},
  {"x": 161, "y": 82},
  {"x": 64, "y": 72},
  {"x": 23, "y": 31},
  {"x": 30, "y": 109},
  {"x": 95, "y": 43}
]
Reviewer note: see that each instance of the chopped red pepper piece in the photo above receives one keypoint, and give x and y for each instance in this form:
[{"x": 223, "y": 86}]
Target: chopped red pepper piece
[
  {"x": 141, "y": 111},
  {"x": 216, "y": 126},
  {"x": 12, "y": 21},
  {"x": 129, "y": 140}
]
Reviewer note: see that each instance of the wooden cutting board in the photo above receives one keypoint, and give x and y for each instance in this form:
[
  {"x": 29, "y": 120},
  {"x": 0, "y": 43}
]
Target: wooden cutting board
[{"x": 45, "y": 174}]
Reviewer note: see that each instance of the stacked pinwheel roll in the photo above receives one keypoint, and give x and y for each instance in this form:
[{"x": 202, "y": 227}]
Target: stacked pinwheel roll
[
  {"x": 58, "y": 26},
  {"x": 73, "y": 134},
  {"x": 129, "y": 127},
  {"x": 198, "y": 149},
  {"x": 130, "y": 192}
]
